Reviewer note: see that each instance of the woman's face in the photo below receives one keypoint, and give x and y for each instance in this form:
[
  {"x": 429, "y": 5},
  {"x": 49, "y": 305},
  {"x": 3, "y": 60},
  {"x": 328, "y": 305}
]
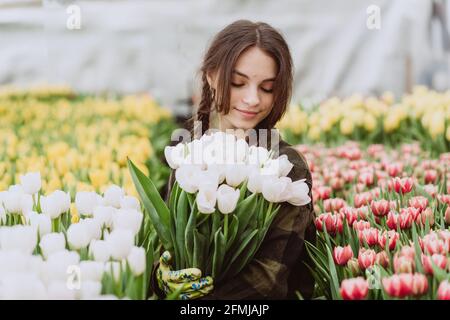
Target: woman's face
[{"x": 251, "y": 93}]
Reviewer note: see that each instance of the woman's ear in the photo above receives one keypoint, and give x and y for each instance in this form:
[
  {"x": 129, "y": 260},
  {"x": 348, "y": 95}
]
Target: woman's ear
[{"x": 210, "y": 77}]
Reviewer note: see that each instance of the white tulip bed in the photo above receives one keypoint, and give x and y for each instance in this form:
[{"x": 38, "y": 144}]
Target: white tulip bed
[{"x": 96, "y": 247}]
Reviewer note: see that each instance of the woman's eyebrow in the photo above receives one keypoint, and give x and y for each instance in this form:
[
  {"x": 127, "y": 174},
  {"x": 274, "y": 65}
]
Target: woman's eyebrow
[{"x": 246, "y": 76}]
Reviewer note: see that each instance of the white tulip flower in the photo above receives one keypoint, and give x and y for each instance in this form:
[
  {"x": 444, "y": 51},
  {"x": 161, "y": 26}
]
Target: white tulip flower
[
  {"x": 298, "y": 193},
  {"x": 120, "y": 242},
  {"x": 26, "y": 203},
  {"x": 58, "y": 290},
  {"x": 40, "y": 222},
  {"x": 89, "y": 290},
  {"x": 236, "y": 174},
  {"x": 113, "y": 195},
  {"x": 130, "y": 202},
  {"x": 128, "y": 219},
  {"x": 99, "y": 249},
  {"x": 86, "y": 202},
  {"x": 195, "y": 153},
  {"x": 104, "y": 215},
  {"x": 206, "y": 199},
  {"x": 18, "y": 237},
  {"x": 227, "y": 198},
  {"x": 257, "y": 156},
  {"x": 59, "y": 263},
  {"x": 14, "y": 261},
  {"x": 285, "y": 166},
  {"x": 276, "y": 189},
  {"x": 94, "y": 228},
  {"x": 12, "y": 201},
  {"x": 137, "y": 260},
  {"x": 51, "y": 243},
  {"x": 236, "y": 151},
  {"x": 31, "y": 182},
  {"x": 55, "y": 204},
  {"x": 219, "y": 170},
  {"x": 16, "y": 188},
  {"x": 187, "y": 177},
  {"x": 175, "y": 156},
  {"x": 63, "y": 200},
  {"x": 78, "y": 236},
  {"x": 91, "y": 270},
  {"x": 50, "y": 207},
  {"x": 22, "y": 286}
]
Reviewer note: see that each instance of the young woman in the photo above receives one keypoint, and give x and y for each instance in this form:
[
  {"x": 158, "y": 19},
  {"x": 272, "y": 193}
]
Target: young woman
[{"x": 246, "y": 84}]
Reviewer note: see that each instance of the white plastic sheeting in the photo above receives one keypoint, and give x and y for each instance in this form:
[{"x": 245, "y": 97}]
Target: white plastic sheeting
[{"x": 157, "y": 45}]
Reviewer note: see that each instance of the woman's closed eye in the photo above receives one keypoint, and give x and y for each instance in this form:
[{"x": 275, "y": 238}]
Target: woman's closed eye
[{"x": 239, "y": 85}]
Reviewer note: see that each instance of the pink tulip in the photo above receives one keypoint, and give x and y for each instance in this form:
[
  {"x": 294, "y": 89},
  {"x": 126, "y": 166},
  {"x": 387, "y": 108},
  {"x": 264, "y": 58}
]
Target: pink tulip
[
  {"x": 394, "y": 169},
  {"x": 332, "y": 205},
  {"x": 376, "y": 192},
  {"x": 427, "y": 214},
  {"x": 444, "y": 199},
  {"x": 403, "y": 264},
  {"x": 398, "y": 285},
  {"x": 351, "y": 214},
  {"x": 431, "y": 176},
  {"x": 349, "y": 175},
  {"x": 438, "y": 259},
  {"x": 444, "y": 290},
  {"x": 382, "y": 259},
  {"x": 419, "y": 285},
  {"x": 331, "y": 222},
  {"x": 435, "y": 245},
  {"x": 337, "y": 183},
  {"x": 405, "y": 220},
  {"x": 341, "y": 255},
  {"x": 383, "y": 237},
  {"x": 366, "y": 258},
  {"x": 403, "y": 185},
  {"x": 362, "y": 199},
  {"x": 380, "y": 208},
  {"x": 369, "y": 236},
  {"x": 366, "y": 178},
  {"x": 363, "y": 212},
  {"x": 361, "y": 225},
  {"x": 392, "y": 220},
  {"x": 419, "y": 202},
  {"x": 431, "y": 189},
  {"x": 354, "y": 289},
  {"x": 407, "y": 251},
  {"x": 323, "y": 193},
  {"x": 414, "y": 212}
]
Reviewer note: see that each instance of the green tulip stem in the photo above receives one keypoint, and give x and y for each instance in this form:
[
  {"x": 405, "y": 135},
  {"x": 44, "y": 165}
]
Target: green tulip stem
[{"x": 225, "y": 226}]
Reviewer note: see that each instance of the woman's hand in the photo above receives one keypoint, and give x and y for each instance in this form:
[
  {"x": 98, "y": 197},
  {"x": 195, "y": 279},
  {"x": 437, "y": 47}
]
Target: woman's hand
[{"x": 188, "y": 283}]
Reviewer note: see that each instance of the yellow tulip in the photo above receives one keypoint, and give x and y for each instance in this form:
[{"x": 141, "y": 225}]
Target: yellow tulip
[
  {"x": 98, "y": 178},
  {"x": 314, "y": 133},
  {"x": 347, "y": 126},
  {"x": 437, "y": 125},
  {"x": 370, "y": 122}
]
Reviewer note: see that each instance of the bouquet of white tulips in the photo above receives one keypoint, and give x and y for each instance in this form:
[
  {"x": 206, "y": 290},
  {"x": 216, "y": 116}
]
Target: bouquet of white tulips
[
  {"x": 224, "y": 198},
  {"x": 48, "y": 252}
]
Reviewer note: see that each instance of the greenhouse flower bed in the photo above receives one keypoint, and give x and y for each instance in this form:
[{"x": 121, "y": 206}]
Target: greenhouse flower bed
[{"x": 382, "y": 221}]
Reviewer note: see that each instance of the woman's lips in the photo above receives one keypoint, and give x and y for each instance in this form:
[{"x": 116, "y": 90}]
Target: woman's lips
[{"x": 247, "y": 114}]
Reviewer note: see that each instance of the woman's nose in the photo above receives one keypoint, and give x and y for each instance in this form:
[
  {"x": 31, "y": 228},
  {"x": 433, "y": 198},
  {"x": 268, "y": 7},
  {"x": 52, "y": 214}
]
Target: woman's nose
[{"x": 251, "y": 97}]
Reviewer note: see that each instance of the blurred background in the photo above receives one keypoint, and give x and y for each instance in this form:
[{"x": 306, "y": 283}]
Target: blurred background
[{"x": 155, "y": 46}]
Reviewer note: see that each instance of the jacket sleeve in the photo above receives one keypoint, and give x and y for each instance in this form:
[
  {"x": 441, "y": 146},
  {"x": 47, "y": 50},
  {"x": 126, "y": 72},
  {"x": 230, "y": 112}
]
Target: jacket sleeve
[{"x": 269, "y": 275}]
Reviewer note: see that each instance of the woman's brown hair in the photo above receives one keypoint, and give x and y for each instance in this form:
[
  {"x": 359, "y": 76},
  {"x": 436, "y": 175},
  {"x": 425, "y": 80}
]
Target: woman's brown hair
[{"x": 221, "y": 57}]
